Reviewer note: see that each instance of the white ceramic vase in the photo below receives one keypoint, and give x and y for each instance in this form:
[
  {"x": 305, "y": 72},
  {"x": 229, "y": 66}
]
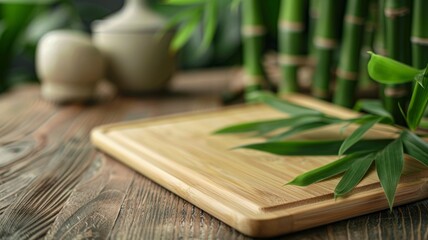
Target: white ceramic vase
[
  {"x": 68, "y": 65},
  {"x": 138, "y": 56}
]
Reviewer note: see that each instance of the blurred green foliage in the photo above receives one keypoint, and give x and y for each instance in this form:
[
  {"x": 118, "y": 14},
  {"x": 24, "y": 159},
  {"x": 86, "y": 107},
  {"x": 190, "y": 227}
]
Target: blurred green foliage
[
  {"x": 24, "y": 22},
  {"x": 216, "y": 39}
]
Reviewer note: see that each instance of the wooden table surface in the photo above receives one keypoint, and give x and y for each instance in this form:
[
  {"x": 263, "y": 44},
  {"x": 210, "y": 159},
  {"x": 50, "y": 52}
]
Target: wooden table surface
[{"x": 55, "y": 185}]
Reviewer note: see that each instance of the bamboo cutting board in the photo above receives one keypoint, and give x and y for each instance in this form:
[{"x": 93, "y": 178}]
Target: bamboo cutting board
[{"x": 245, "y": 188}]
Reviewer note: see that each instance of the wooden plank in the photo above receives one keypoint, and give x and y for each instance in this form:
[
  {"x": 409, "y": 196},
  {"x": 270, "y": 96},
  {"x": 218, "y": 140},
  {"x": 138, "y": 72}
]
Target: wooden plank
[
  {"x": 151, "y": 212},
  {"x": 245, "y": 188},
  {"x": 148, "y": 209},
  {"x": 92, "y": 209}
]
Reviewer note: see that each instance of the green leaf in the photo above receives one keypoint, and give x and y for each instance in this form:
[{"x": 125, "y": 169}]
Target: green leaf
[
  {"x": 210, "y": 23},
  {"x": 389, "y": 71},
  {"x": 389, "y": 165},
  {"x": 374, "y": 107},
  {"x": 327, "y": 171},
  {"x": 28, "y": 1},
  {"x": 418, "y": 102},
  {"x": 186, "y": 31},
  {"x": 415, "y": 147},
  {"x": 184, "y": 2},
  {"x": 263, "y": 127},
  {"x": 253, "y": 126},
  {"x": 298, "y": 129},
  {"x": 182, "y": 16},
  {"x": 424, "y": 123},
  {"x": 358, "y": 133},
  {"x": 281, "y": 105},
  {"x": 316, "y": 148},
  {"x": 47, "y": 21},
  {"x": 354, "y": 174}
]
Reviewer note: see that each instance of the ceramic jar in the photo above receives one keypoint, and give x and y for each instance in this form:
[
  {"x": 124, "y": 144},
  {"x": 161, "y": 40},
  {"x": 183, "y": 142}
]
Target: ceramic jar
[
  {"x": 68, "y": 65},
  {"x": 138, "y": 55}
]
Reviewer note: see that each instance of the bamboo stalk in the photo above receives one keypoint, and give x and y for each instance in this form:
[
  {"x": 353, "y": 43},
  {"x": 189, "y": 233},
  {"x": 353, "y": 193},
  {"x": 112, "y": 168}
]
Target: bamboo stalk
[
  {"x": 291, "y": 42},
  {"x": 397, "y": 45},
  {"x": 253, "y": 32},
  {"x": 349, "y": 61},
  {"x": 313, "y": 19},
  {"x": 365, "y": 83},
  {"x": 420, "y": 34},
  {"x": 379, "y": 41},
  {"x": 325, "y": 43}
]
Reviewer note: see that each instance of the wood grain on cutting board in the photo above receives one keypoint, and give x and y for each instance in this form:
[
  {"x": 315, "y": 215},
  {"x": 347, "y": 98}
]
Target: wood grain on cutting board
[{"x": 245, "y": 188}]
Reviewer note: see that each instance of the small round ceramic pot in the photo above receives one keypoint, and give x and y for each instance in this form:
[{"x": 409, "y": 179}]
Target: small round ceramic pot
[{"x": 68, "y": 65}]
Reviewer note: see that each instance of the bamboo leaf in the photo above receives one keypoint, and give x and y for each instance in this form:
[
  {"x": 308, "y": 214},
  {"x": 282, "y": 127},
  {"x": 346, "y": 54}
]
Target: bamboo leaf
[
  {"x": 415, "y": 147},
  {"x": 28, "y": 1},
  {"x": 424, "y": 123},
  {"x": 389, "y": 165},
  {"x": 418, "y": 102},
  {"x": 210, "y": 23},
  {"x": 354, "y": 174},
  {"x": 183, "y": 2},
  {"x": 420, "y": 78},
  {"x": 182, "y": 16},
  {"x": 297, "y": 120},
  {"x": 263, "y": 127},
  {"x": 374, "y": 107},
  {"x": 299, "y": 129},
  {"x": 186, "y": 31},
  {"x": 281, "y": 105},
  {"x": 258, "y": 126},
  {"x": 327, "y": 171},
  {"x": 358, "y": 134},
  {"x": 389, "y": 71},
  {"x": 316, "y": 148}
]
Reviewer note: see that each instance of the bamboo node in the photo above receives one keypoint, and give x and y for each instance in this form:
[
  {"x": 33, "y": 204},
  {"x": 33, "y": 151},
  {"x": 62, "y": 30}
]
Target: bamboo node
[
  {"x": 320, "y": 93},
  {"x": 354, "y": 20},
  {"x": 325, "y": 42},
  {"x": 253, "y": 30},
  {"x": 252, "y": 79},
  {"x": 346, "y": 75},
  {"x": 395, "y": 92},
  {"x": 285, "y": 25},
  {"x": 396, "y": 12},
  {"x": 314, "y": 14},
  {"x": 419, "y": 40},
  {"x": 370, "y": 27},
  {"x": 380, "y": 49},
  {"x": 292, "y": 60}
]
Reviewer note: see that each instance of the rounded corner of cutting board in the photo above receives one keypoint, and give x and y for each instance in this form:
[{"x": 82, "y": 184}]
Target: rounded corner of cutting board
[{"x": 264, "y": 227}]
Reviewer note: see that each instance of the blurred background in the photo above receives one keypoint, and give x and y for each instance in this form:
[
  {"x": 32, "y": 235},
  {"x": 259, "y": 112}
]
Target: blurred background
[{"x": 23, "y": 24}]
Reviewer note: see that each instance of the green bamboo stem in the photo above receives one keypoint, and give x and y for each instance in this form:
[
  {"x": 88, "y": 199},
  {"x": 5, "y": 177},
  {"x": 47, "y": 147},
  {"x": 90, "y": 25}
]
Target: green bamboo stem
[
  {"x": 325, "y": 43},
  {"x": 379, "y": 41},
  {"x": 349, "y": 61},
  {"x": 420, "y": 34},
  {"x": 253, "y": 32},
  {"x": 313, "y": 19},
  {"x": 291, "y": 43},
  {"x": 419, "y": 41},
  {"x": 365, "y": 83},
  {"x": 397, "y": 45}
]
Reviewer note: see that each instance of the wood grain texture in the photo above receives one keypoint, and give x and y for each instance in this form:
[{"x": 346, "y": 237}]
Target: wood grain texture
[
  {"x": 245, "y": 188},
  {"x": 43, "y": 203}
]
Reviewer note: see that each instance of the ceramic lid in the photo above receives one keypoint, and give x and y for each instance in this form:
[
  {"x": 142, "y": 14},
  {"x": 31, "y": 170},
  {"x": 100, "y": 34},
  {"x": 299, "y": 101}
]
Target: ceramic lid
[{"x": 133, "y": 17}]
